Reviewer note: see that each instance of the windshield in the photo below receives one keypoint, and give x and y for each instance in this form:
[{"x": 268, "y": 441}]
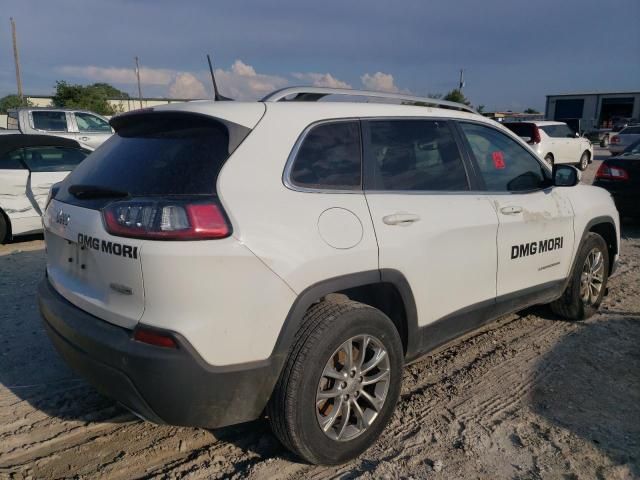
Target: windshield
[{"x": 633, "y": 149}]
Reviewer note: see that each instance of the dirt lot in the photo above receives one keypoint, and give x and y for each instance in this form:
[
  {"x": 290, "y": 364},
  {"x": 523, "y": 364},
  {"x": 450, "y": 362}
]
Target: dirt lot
[{"x": 527, "y": 397}]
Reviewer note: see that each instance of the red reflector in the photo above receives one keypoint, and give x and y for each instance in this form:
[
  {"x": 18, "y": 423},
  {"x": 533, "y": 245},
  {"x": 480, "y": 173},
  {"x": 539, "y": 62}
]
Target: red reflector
[{"x": 154, "y": 338}]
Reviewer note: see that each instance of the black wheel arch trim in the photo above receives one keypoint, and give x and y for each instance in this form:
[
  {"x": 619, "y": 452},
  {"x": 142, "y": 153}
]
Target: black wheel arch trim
[
  {"x": 9, "y": 235},
  {"x": 603, "y": 219}
]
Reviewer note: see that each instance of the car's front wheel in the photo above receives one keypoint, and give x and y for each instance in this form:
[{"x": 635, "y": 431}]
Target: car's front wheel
[
  {"x": 340, "y": 383},
  {"x": 588, "y": 282},
  {"x": 584, "y": 161}
]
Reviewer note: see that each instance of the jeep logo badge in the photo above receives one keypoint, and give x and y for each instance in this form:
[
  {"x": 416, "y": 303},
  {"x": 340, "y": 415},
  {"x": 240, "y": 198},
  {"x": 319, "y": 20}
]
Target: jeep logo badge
[{"x": 63, "y": 218}]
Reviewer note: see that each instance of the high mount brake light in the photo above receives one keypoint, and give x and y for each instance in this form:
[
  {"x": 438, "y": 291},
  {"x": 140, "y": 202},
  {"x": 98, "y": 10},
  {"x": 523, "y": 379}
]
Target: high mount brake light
[
  {"x": 166, "y": 220},
  {"x": 609, "y": 172}
]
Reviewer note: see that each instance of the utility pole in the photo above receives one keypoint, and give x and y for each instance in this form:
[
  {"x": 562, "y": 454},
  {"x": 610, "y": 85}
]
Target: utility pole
[
  {"x": 461, "y": 84},
  {"x": 138, "y": 75},
  {"x": 16, "y": 59}
]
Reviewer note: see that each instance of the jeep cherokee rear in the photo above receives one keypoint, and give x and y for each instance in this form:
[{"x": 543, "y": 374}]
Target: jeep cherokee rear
[{"x": 220, "y": 260}]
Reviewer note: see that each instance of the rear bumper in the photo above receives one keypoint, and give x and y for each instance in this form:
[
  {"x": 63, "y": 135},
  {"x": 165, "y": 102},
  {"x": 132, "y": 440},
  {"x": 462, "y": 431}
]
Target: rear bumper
[{"x": 163, "y": 385}]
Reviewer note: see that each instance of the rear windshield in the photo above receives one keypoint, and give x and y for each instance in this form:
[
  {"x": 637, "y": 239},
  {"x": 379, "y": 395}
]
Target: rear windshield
[
  {"x": 630, "y": 131},
  {"x": 521, "y": 129},
  {"x": 160, "y": 154}
]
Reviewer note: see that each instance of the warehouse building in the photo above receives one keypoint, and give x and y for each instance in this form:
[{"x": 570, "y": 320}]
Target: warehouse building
[{"x": 593, "y": 110}]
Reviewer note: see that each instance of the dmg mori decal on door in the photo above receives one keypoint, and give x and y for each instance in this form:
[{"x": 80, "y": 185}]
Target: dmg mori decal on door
[
  {"x": 112, "y": 248},
  {"x": 533, "y": 248}
]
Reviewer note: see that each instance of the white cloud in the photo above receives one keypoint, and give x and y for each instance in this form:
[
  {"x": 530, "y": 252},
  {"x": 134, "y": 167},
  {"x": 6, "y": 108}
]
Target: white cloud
[
  {"x": 382, "y": 82},
  {"x": 242, "y": 82},
  {"x": 187, "y": 85},
  {"x": 150, "y": 76},
  {"x": 321, "y": 80}
]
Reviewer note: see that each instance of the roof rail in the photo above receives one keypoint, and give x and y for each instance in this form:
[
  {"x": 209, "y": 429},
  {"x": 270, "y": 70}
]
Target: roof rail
[{"x": 313, "y": 94}]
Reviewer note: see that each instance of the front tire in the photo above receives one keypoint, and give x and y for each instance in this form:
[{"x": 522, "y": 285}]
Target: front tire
[
  {"x": 588, "y": 283},
  {"x": 340, "y": 383},
  {"x": 4, "y": 229},
  {"x": 584, "y": 161}
]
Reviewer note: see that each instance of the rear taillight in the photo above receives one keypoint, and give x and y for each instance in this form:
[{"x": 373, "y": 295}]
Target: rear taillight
[
  {"x": 615, "y": 139},
  {"x": 166, "y": 220},
  {"x": 608, "y": 172},
  {"x": 155, "y": 338},
  {"x": 535, "y": 139}
]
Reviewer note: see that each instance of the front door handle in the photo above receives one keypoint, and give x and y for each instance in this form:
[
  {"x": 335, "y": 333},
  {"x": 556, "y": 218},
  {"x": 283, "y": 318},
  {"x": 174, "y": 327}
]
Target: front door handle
[
  {"x": 512, "y": 210},
  {"x": 400, "y": 219},
  {"x": 84, "y": 139}
]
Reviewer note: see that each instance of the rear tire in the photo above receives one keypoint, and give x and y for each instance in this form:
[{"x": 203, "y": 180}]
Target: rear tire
[
  {"x": 305, "y": 396},
  {"x": 4, "y": 229},
  {"x": 588, "y": 282},
  {"x": 584, "y": 161}
]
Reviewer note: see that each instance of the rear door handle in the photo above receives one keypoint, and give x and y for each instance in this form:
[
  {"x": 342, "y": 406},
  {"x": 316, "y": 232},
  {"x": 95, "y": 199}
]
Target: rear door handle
[
  {"x": 512, "y": 210},
  {"x": 400, "y": 219}
]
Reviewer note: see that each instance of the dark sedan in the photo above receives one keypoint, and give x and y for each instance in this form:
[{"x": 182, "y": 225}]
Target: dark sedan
[{"x": 620, "y": 175}]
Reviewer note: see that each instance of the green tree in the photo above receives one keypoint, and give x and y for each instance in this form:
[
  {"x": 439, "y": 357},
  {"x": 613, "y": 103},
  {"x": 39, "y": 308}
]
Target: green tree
[
  {"x": 88, "y": 97},
  {"x": 531, "y": 110},
  {"x": 456, "y": 95},
  {"x": 12, "y": 101}
]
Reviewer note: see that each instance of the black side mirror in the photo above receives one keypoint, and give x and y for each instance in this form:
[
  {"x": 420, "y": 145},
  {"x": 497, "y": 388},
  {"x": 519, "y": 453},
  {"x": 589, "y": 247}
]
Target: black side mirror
[{"x": 565, "y": 176}]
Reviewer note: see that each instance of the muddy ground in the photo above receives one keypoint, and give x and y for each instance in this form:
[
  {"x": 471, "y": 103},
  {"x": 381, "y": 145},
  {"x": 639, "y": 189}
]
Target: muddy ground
[{"x": 527, "y": 397}]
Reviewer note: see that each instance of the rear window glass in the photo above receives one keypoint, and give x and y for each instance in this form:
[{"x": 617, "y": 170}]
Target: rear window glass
[
  {"x": 630, "y": 131},
  {"x": 521, "y": 129},
  {"x": 50, "y": 121},
  {"x": 160, "y": 154}
]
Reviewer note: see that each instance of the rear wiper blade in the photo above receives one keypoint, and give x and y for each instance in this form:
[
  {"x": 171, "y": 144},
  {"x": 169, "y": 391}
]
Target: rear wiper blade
[{"x": 95, "y": 191}]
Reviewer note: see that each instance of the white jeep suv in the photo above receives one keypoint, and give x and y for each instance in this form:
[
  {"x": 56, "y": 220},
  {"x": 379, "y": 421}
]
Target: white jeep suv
[
  {"x": 555, "y": 142},
  {"x": 214, "y": 262}
]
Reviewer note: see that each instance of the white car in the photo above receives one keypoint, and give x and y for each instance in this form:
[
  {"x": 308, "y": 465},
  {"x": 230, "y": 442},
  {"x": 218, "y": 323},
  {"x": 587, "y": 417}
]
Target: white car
[
  {"x": 29, "y": 166},
  {"x": 555, "y": 142},
  {"x": 214, "y": 261}
]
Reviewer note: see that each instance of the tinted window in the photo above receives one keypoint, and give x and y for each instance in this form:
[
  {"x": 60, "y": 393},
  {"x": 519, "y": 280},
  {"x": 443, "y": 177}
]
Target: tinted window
[
  {"x": 52, "y": 159},
  {"x": 415, "y": 155},
  {"x": 630, "y": 131},
  {"x": 52, "y": 121},
  {"x": 160, "y": 154},
  {"x": 558, "y": 131},
  {"x": 11, "y": 160},
  {"x": 90, "y": 123},
  {"x": 504, "y": 164},
  {"x": 521, "y": 129},
  {"x": 329, "y": 157}
]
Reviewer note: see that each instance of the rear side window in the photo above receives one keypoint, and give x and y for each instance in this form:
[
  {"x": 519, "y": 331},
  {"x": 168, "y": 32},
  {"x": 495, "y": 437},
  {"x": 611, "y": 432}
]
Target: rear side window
[
  {"x": 504, "y": 164},
  {"x": 521, "y": 129},
  {"x": 329, "y": 157},
  {"x": 52, "y": 159},
  {"x": 558, "y": 131},
  {"x": 49, "y": 121},
  {"x": 90, "y": 123},
  {"x": 161, "y": 154},
  {"x": 414, "y": 155}
]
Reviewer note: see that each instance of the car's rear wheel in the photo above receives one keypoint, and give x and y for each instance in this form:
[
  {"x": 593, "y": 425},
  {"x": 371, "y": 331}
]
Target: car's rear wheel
[
  {"x": 584, "y": 161},
  {"x": 4, "y": 229},
  {"x": 587, "y": 285},
  {"x": 340, "y": 383}
]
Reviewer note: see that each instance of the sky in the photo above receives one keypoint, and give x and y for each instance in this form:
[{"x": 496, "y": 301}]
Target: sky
[{"x": 514, "y": 52}]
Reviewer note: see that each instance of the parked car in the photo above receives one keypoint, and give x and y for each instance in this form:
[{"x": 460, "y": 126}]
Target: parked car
[
  {"x": 29, "y": 165},
  {"x": 220, "y": 260},
  {"x": 620, "y": 175},
  {"x": 625, "y": 137},
  {"x": 555, "y": 142},
  {"x": 88, "y": 128}
]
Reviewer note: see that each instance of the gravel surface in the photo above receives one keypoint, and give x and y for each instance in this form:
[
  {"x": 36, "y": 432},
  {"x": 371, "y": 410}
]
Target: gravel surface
[{"x": 528, "y": 396}]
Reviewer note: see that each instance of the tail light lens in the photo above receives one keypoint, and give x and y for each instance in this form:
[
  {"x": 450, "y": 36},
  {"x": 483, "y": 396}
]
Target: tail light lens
[
  {"x": 609, "y": 172},
  {"x": 166, "y": 220},
  {"x": 615, "y": 139}
]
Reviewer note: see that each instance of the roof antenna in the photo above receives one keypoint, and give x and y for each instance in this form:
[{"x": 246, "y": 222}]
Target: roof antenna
[{"x": 216, "y": 93}]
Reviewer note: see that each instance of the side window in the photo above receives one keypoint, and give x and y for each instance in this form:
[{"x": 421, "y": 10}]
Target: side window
[
  {"x": 53, "y": 159},
  {"x": 50, "y": 121},
  {"x": 11, "y": 160},
  {"x": 407, "y": 155},
  {"x": 329, "y": 157},
  {"x": 505, "y": 166},
  {"x": 90, "y": 123}
]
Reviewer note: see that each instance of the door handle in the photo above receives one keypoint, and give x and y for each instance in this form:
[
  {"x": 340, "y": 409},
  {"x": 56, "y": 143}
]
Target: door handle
[
  {"x": 400, "y": 219},
  {"x": 512, "y": 210},
  {"x": 84, "y": 139}
]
